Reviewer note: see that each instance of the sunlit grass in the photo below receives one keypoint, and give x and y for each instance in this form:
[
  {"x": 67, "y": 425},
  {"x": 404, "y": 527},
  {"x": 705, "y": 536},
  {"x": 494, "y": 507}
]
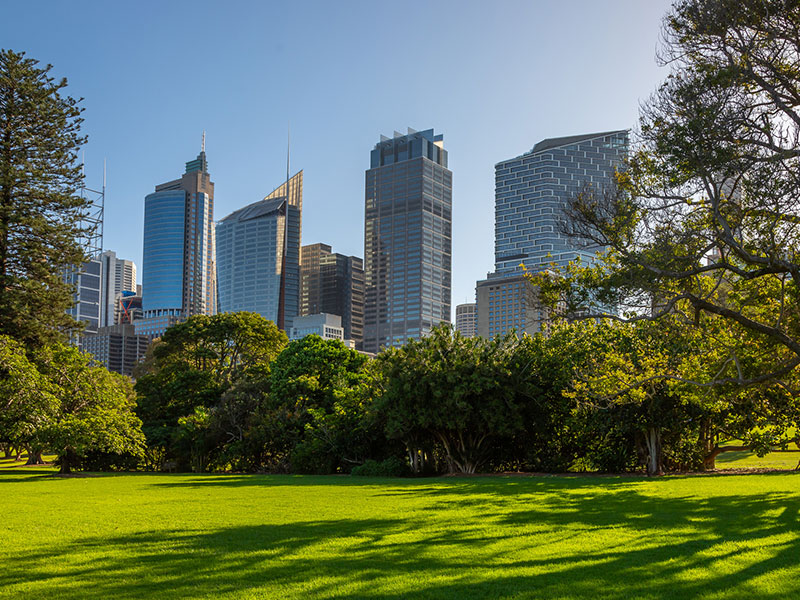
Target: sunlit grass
[{"x": 242, "y": 536}]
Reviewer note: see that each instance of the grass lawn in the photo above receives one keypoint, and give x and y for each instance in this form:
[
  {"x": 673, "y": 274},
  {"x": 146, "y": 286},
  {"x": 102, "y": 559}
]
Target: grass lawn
[{"x": 250, "y": 536}]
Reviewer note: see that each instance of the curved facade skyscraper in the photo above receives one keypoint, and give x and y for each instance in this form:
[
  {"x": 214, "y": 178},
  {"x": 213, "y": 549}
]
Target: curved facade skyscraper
[
  {"x": 258, "y": 256},
  {"x": 178, "y": 269}
]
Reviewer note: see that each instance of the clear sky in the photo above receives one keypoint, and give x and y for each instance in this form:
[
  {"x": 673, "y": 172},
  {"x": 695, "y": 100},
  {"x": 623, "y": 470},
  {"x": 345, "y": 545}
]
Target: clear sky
[{"x": 493, "y": 77}]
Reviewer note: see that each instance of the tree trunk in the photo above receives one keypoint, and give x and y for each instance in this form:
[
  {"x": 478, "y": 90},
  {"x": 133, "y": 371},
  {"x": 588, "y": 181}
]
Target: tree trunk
[
  {"x": 707, "y": 444},
  {"x": 34, "y": 457},
  {"x": 68, "y": 460},
  {"x": 653, "y": 442},
  {"x": 710, "y": 459}
]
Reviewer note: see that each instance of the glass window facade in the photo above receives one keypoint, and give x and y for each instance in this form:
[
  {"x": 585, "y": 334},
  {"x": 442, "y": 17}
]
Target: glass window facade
[
  {"x": 407, "y": 239},
  {"x": 531, "y": 192},
  {"x": 163, "y": 252}
]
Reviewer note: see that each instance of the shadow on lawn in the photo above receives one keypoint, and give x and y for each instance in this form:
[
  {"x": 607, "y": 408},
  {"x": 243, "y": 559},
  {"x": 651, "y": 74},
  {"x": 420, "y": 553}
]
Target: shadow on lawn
[{"x": 616, "y": 544}]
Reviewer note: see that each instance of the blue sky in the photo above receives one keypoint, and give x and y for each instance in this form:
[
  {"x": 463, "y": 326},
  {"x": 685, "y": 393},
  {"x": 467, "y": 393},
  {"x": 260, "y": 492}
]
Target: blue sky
[{"x": 493, "y": 77}]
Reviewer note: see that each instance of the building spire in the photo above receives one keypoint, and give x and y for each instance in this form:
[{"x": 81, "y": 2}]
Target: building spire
[{"x": 203, "y": 145}]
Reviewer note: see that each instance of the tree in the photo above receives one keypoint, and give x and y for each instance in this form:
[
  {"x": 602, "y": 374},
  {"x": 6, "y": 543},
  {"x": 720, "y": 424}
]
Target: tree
[
  {"x": 706, "y": 219},
  {"x": 317, "y": 408},
  {"x": 41, "y": 213},
  {"x": 190, "y": 370},
  {"x": 460, "y": 392},
  {"x": 27, "y": 401},
  {"x": 95, "y": 408}
]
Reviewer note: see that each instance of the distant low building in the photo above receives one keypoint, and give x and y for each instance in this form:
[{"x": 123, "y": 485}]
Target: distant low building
[
  {"x": 506, "y": 303},
  {"x": 466, "y": 319},
  {"x": 117, "y": 347},
  {"x": 326, "y": 326}
]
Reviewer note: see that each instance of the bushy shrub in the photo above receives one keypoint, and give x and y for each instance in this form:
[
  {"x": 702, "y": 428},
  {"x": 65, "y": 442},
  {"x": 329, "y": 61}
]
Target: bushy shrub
[{"x": 390, "y": 467}]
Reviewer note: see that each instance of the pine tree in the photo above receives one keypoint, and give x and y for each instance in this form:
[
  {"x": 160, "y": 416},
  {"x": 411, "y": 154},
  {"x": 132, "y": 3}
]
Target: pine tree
[{"x": 41, "y": 211}]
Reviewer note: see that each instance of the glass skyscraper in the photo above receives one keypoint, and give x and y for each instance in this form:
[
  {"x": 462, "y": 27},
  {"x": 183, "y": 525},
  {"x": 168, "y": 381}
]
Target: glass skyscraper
[
  {"x": 179, "y": 275},
  {"x": 258, "y": 256},
  {"x": 531, "y": 192},
  {"x": 407, "y": 239}
]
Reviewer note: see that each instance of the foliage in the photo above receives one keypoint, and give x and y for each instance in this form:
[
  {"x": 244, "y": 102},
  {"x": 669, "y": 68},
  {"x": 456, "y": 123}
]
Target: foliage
[
  {"x": 95, "y": 408},
  {"x": 390, "y": 467},
  {"x": 319, "y": 388},
  {"x": 196, "y": 366},
  {"x": 460, "y": 392},
  {"x": 41, "y": 212}
]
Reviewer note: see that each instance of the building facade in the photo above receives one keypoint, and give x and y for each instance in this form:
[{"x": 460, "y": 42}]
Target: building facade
[
  {"x": 407, "y": 239},
  {"x": 532, "y": 190},
  {"x": 258, "y": 256},
  {"x": 531, "y": 193},
  {"x": 333, "y": 283},
  {"x": 117, "y": 347},
  {"x": 179, "y": 273},
  {"x": 119, "y": 275},
  {"x": 466, "y": 319},
  {"x": 328, "y": 327},
  {"x": 88, "y": 304}
]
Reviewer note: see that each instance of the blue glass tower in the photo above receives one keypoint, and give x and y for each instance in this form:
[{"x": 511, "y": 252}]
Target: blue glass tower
[{"x": 179, "y": 274}]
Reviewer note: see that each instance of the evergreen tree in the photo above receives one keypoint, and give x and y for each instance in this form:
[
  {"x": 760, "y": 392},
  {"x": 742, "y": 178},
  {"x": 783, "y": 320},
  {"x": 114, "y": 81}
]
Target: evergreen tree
[{"x": 41, "y": 213}]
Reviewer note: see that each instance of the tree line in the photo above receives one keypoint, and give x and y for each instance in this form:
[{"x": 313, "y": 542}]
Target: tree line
[{"x": 699, "y": 257}]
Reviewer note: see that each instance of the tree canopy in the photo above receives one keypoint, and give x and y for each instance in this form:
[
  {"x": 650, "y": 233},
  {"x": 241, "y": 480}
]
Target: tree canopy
[{"x": 41, "y": 213}]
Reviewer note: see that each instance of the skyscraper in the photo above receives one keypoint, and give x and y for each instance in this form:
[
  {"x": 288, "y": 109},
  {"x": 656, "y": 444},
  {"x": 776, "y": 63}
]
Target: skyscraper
[
  {"x": 119, "y": 275},
  {"x": 179, "y": 278},
  {"x": 333, "y": 283},
  {"x": 466, "y": 319},
  {"x": 258, "y": 256},
  {"x": 407, "y": 239},
  {"x": 531, "y": 192}
]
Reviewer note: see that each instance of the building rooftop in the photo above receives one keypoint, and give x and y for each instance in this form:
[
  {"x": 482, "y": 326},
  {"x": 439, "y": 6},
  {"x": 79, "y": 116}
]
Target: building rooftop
[
  {"x": 549, "y": 143},
  {"x": 255, "y": 210}
]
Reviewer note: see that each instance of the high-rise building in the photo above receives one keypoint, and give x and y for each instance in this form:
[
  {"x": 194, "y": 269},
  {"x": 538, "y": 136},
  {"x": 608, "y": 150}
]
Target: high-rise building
[
  {"x": 117, "y": 347},
  {"x": 407, "y": 239},
  {"x": 179, "y": 275},
  {"x": 258, "y": 256},
  {"x": 119, "y": 275},
  {"x": 87, "y": 306},
  {"x": 466, "y": 322},
  {"x": 532, "y": 190},
  {"x": 531, "y": 193},
  {"x": 333, "y": 283},
  {"x": 328, "y": 327}
]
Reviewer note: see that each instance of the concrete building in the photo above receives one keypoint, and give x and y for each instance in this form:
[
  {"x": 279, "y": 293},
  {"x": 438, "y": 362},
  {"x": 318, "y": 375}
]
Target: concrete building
[
  {"x": 466, "y": 319},
  {"x": 117, "y": 347},
  {"x": 531, "y": 193},
  {"x": 179, "y": 274},
  {"x": 328, "y": 327},
  {"x": 258, "y": 256},
  {"x": 407, "y": 239},
  {"x": 333, "y": 283}
]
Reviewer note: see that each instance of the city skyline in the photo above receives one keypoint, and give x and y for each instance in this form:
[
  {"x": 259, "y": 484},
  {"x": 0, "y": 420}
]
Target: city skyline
[{"x": 516, "y": 72}]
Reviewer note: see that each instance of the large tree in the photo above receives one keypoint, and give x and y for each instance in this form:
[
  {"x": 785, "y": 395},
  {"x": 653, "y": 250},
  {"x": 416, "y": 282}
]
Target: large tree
[
  {"x": 41, "y": 212},
  {"x": 706, "y": 219}
]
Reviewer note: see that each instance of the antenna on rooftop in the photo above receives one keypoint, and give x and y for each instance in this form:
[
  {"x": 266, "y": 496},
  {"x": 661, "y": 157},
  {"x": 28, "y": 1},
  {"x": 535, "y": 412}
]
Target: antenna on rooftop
[{"x": 203, "y": 145}]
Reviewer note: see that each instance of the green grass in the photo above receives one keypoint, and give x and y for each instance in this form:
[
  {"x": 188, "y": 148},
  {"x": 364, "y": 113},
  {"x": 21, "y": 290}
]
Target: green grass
[{"x": 242, "y": 536}]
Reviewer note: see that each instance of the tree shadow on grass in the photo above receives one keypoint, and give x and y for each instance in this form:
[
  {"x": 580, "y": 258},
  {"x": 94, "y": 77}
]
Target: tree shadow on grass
[{"x": 615, "y": 544}]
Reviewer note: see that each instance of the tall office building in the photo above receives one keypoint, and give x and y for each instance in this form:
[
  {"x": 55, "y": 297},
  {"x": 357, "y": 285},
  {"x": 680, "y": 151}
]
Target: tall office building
[
  {"x": 179, "y": 278},
  {"x": 333, "y": 283},
  {"x": 407, "y": 239},
  {"x": 466, "y": 319},
  {"x": 117, "y": 347},
  {"x": 119, "y": 275},
  {"x": 258, "y": 256},
  {"x": 531, "y": 192},
  {"x": 87, "y": 306}
]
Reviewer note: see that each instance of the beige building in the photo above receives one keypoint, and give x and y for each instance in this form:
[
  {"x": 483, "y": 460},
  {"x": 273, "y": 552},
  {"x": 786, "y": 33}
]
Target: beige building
[
  {"x": 466, "y": 322},
  {"x": 506, "y": 303}
]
